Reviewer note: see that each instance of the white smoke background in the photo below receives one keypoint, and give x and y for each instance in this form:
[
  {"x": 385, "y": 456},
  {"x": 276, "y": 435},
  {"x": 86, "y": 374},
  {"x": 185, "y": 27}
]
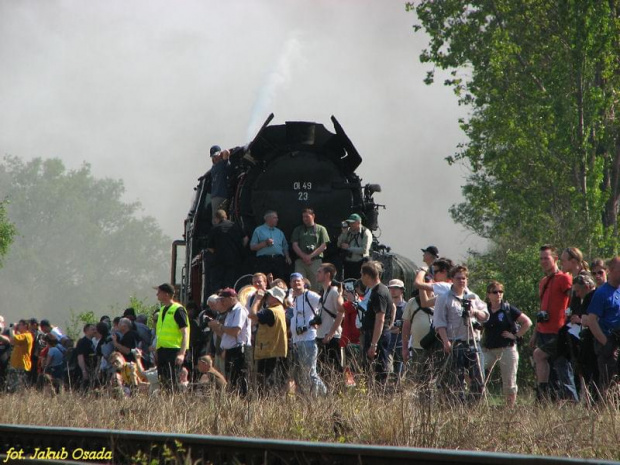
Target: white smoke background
[
  {"x": 141, "y": 90},
  {"x": 276, "y": 80}
]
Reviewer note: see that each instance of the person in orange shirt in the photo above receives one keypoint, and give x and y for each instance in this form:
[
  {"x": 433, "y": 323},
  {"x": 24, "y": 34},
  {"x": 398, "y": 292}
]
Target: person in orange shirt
[{"x": 20, "y": 363}]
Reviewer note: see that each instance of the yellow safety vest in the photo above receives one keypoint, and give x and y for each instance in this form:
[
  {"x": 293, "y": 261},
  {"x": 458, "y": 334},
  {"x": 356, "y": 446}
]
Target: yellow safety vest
[{"x": 169, "y": 335}]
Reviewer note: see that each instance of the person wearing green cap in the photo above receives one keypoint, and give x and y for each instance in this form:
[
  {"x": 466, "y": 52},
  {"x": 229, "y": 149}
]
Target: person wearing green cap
[{"x": 354, "y": 243}]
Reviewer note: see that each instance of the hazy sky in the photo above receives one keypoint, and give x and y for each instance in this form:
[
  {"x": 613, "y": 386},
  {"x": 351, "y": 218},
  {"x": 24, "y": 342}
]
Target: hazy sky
[{"x": 141, "y": 89}]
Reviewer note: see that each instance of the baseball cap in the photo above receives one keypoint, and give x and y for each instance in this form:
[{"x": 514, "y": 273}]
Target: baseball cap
[
  {"x": 227, "y": 292},
  {"x": 353, "y": 218},
  {"x": 396, "y": 283},
  {"x": 297, "y": 276},
  {"x": 277, "y": 293},
  {"x": 432, "y": 250},
  {"x": 215, "y": 150}
]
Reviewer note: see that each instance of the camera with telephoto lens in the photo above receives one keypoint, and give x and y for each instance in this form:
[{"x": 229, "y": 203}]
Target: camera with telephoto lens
[
  {"x": 466, "y": 305},
  {"x": 542, "y": 316},
  {"x": 300, "y": 330}
]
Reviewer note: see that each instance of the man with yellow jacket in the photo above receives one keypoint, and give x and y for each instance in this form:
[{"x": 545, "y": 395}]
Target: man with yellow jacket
[
  {"x": 172, "y": 336},
  {"x": 270, "y": 347}
]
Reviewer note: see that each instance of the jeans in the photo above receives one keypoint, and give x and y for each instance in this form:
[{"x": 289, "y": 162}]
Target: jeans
[
  {"x": 466, "y": 360},
  {"x": 307, "y": 377},
  {"x": 380, "y": 364}
]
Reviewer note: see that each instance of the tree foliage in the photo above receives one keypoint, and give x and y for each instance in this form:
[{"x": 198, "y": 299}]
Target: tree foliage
[
  {"x": 79, "y": 245},
  {"x": 7, "y": 231},
  {"x": 542, "y": 81}
]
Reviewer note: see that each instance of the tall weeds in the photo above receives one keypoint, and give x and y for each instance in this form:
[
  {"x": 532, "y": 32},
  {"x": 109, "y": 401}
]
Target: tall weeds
[{"x": 409, "y": 417}]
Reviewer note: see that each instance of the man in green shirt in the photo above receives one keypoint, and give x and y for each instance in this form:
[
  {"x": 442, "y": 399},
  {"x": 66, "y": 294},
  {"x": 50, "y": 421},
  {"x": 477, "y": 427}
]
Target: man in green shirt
[{"x": 309, "y": 242}]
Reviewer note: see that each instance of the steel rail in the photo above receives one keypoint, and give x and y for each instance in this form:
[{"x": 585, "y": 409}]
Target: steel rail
[{"x": 125, "y": 447}]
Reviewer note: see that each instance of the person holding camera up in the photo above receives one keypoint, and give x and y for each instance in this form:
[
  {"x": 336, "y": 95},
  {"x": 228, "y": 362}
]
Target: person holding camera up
[
  {"x": 303, "y": 330},
  {"x": 354, "y": 242},
  {"x": 309, "y": 242},
  {"x": 271, "y": 344},
  {"x": 457, "y": 313},
  {"x": 554, "y": 291}
]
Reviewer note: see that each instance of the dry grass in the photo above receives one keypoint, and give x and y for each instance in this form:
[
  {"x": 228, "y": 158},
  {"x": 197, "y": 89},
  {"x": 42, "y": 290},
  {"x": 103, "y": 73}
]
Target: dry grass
[{"x": 353, "y": 416}]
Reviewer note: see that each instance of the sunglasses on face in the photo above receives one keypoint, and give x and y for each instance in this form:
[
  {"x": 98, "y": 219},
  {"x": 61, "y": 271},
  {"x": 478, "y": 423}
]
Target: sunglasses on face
[{"x": 496, "y": 292}]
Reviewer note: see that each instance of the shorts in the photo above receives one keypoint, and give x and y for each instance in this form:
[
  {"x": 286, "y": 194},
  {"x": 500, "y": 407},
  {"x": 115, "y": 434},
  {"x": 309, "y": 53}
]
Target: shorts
[{"x": 548, "y": 343}]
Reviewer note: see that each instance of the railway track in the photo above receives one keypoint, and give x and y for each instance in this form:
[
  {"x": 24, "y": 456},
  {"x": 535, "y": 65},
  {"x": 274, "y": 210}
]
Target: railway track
[{"x": 43, "y": 445}]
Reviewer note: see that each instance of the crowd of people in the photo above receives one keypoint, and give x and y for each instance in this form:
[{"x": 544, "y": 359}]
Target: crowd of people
[{"x": 277, "y": 337}]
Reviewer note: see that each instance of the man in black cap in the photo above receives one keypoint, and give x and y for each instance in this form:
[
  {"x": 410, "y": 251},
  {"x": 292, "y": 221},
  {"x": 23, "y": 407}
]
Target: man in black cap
[
  {"x": 235, "y": 334},
  {"x": 219, "y": 178},
  {"x": 172, "y": 336},
  {"x": 430, "y": 254}
]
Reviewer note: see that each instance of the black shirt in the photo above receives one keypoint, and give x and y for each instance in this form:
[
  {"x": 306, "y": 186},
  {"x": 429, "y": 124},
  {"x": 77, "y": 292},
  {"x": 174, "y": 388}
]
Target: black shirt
[
  {"x": 131, "y": 340},
  {"x": 226, "y": 239},
  {"x": 86, "y": 348},
  {"x": 379, "y": 301},
  {"x": 502, "y": 320}
]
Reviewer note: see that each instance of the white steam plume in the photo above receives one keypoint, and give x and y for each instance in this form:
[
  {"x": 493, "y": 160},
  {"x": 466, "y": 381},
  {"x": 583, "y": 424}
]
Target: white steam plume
[{"x": 275, "y": 80}]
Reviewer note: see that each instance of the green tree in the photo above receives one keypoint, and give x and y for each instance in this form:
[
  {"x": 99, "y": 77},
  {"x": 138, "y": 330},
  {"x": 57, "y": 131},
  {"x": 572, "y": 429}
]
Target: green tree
[
  {"x": 79, "y": 245},
  {"x": 7, "y": 231},
  {"x": 543, "y": 151}
]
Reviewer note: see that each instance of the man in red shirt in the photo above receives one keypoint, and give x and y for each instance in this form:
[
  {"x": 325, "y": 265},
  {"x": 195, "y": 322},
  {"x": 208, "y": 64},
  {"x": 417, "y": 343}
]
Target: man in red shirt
[{"x": 554, "y": 291}]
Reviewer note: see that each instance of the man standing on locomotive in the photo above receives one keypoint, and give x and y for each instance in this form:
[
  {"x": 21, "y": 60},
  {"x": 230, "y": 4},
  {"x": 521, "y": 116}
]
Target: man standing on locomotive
[
  {"x": 219, "y": 178},
  {"x": 355, "y": 242},
  {"x": 309, "y": 241},
  {"x": 270, "y": 246}
]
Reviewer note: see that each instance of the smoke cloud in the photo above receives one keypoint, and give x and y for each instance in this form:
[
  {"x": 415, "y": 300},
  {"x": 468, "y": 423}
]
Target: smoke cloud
[{"x": 142, "y": 89}]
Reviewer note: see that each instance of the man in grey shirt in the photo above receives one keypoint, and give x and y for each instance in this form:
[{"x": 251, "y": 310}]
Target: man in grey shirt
[{"x": 455, "y": 315}]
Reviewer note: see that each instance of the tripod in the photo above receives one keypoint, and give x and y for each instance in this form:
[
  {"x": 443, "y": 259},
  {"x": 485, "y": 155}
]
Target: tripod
[{"x": 477, "y": 378}]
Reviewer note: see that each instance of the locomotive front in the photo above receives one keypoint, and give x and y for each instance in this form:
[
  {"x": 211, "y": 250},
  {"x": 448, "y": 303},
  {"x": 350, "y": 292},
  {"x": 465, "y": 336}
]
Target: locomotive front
[{"x": 285, "y": 168}]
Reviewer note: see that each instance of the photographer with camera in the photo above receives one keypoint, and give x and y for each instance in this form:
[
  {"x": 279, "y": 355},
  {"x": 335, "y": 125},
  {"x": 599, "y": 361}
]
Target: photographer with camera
[
  {"x": 235, "y": 338},
  {"x": 354, "y": 242},
  {"x": 271, "y": 344},
  {"x": 309, "y": 242},
  {"x": 457, "y": 313},
  {"x": 303, "y": 330},
  {"x": 397, "y": 290},
  {"x": 555, "y": 290}
]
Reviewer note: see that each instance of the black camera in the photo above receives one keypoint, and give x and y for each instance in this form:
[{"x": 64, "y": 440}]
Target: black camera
[
  {"x": 300, "y": 330},
  {"x": 542, "y": 316},
  {"x": 310, "y": 248},
  {"x": 466, "y": 305},
  {"x": 398, "y": 324},
  {"x": 317, "y": 320}
]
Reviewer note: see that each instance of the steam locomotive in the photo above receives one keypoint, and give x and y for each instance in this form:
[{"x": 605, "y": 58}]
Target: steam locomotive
[{"x": 284, "y": 168}]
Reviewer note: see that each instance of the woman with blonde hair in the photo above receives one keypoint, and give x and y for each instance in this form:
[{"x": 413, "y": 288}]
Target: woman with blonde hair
[{"x": 504, "y": 327}]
